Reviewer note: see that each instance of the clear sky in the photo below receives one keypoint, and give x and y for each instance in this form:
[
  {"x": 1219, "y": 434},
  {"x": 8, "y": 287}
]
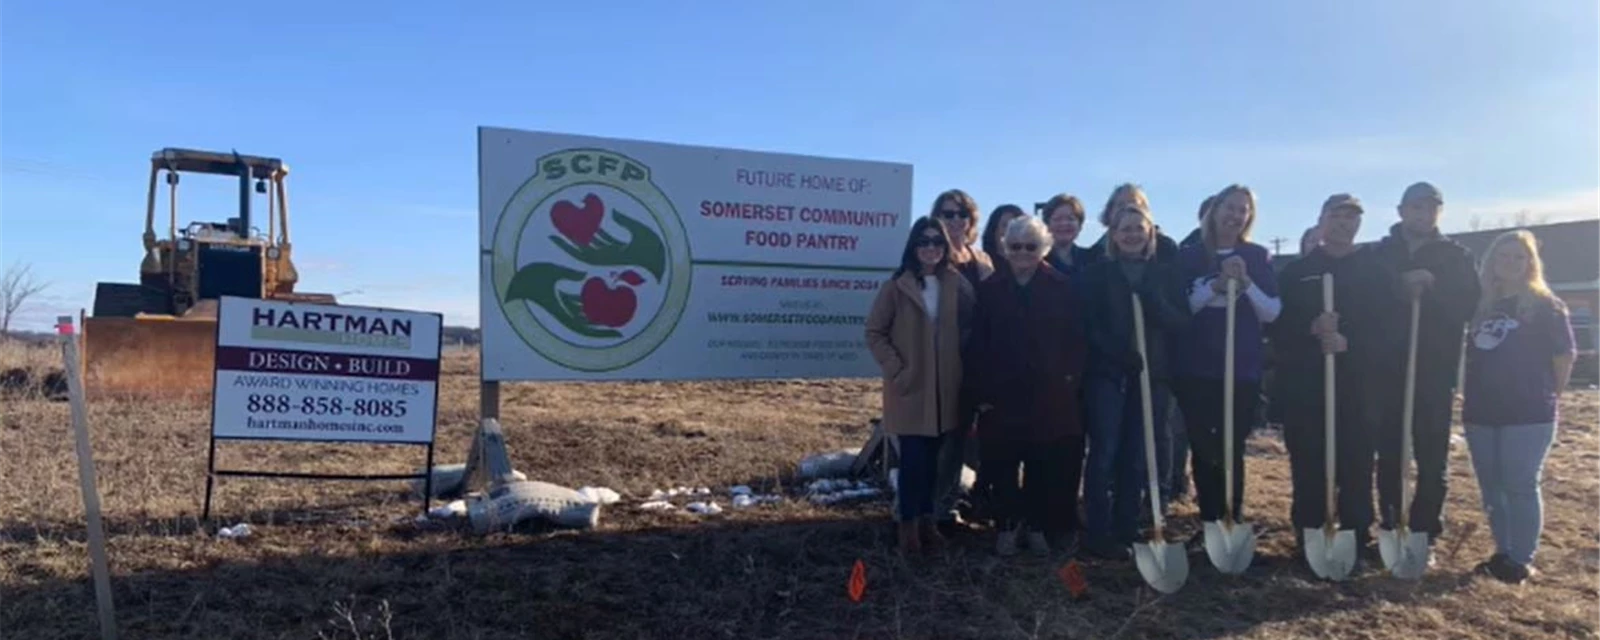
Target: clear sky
[{"x": 375, "y": 105}]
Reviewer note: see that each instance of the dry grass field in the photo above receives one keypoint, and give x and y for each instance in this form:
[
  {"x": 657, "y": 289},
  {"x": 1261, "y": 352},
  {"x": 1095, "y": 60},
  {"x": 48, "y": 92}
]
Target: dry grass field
[{"x": 348, "y": 559}]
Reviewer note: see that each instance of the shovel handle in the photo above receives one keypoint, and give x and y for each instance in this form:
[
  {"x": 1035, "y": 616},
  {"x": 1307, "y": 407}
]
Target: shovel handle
[
  {"x": 1404, "y": 517},
  {"x": 1227, "y": 402},
  {"x": 1329, "y": 449},
  {"x": 1149, "y": 420}
]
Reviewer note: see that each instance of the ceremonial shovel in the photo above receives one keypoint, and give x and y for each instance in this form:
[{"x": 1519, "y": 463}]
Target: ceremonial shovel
[
  {"x": 1330, "y": 551},
  {"x": 1164, "y": 566},
  {"x": 1231, "y": 545},
  {"x": 1405, "y": 552}
]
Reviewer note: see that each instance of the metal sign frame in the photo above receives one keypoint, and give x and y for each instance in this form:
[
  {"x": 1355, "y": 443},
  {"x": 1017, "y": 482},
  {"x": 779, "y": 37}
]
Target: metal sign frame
[{"x": 212, "y": 472}]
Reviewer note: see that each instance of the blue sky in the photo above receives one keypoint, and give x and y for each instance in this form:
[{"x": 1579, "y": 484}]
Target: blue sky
[{"x": 375, "y": 109}]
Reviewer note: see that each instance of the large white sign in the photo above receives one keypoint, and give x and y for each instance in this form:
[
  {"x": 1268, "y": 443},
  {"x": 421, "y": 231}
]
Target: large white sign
[
  {"x": 621, "y": 259},
  {"x": 297, "y": 371}
]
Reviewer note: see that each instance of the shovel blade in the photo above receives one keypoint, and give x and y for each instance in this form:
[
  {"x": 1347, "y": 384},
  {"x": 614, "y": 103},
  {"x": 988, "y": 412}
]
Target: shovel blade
[
  {"x": 1331, "y": 556},
  {"x": 1405, "y": 554},
  {"x": 1231, "y": 547},
  {"x": 1164, "y": 566}
]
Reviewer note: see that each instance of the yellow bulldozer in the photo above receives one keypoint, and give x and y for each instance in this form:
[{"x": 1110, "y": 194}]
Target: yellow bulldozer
[{"x": 158, "y": 337}]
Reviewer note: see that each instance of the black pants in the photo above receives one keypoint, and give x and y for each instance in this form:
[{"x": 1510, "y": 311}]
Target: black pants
[
  {"x": 1046, "y": 498},
  {"x": 1201, "y": 402},
  {"x": 1306, "y": 438},
  {"x": 1430, "y": 438}
]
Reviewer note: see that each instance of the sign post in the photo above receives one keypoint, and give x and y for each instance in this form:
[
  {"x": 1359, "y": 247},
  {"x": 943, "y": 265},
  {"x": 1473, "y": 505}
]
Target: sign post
[{"x": 324, "y": 373}]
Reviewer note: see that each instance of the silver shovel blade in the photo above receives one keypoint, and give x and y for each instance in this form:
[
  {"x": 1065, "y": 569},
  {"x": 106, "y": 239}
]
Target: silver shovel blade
[
  {"x": 1164, "y": 566},
  {"x": 1406, "y": 556},
  {"x": 1331, "y": 557},
  {"x": 1230, "y": 547}
]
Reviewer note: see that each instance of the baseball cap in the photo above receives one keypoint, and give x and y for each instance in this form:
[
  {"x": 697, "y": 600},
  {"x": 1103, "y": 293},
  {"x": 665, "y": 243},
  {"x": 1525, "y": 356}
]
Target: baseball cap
[
  {"x": 1422, "y": 190},
  {"x": 1340, "y": 200}
]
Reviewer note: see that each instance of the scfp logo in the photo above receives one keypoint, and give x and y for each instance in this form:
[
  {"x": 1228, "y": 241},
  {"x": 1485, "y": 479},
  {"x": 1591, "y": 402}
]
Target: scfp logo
[{"x": 590, "y": 261}]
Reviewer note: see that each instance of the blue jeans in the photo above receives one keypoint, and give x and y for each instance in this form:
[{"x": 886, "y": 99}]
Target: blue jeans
[
  {"x": 1115, "y": 477},
  {"x": 919, "y": 459},
  {"x": 1509, "y": 461}
]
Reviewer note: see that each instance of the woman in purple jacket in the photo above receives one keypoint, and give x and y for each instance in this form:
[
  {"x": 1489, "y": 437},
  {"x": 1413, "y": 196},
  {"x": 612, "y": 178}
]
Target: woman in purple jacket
[
  {"x": 1224, "y": 253},
  {"x": 1519, "y": 356}
]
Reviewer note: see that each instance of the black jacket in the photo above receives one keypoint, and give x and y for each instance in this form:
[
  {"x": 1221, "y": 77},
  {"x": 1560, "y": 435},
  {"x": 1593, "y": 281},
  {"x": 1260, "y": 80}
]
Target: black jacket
[
  {"x": 1192, "y": 238},
  {"x": 1363, "y": 295},
  {"x": 1108, "y": 316},
  {"x": 1446, "y": 307}
]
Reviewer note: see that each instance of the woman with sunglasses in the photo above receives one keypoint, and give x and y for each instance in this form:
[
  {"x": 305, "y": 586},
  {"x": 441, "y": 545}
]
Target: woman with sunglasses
[
  {"x": 1025, "y": 369},
  {"x": 1224, "y": 253},
  {"x": 1114, "y": 482},
  {"x": 958, "y": 212},
  {"x": 915, "y": 332}
]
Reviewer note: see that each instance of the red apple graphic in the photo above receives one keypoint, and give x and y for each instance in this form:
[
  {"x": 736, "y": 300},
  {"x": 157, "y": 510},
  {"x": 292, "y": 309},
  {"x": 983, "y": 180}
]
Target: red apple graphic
[
  {"x": 607, "y": 306},
  {"x": 579, "y": 225}
]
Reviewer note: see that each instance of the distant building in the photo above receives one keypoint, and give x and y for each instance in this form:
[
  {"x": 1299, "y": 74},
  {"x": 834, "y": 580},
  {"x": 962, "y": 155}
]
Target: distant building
[{"x": 1571, "y": 254}]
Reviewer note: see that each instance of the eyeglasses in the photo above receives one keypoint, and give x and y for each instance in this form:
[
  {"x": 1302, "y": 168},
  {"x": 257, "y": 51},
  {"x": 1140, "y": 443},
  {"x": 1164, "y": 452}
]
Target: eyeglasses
[
  {"x": 930, "y": 242},
  {"x": 1020, "y": 247},
  {"x": 952, "y": 214}
]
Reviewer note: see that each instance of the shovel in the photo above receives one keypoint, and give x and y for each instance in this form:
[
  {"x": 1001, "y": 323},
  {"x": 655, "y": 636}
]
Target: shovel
[
  {"x": 1405, "y": 552},
  {"x": 1163, "y": 565},
  {"x": 1330, "y": 552},
  {"x": 1230, "y": 545}
]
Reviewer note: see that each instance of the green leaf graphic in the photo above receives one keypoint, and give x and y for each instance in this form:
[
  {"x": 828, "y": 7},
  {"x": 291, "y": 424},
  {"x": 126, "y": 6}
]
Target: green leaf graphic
[
  {"x": 537, "y": 282},
  {"x": 644, "y": 248}
]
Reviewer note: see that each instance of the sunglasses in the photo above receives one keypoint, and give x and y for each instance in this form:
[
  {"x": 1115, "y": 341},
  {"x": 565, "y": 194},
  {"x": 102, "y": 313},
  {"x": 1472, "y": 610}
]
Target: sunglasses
[
  {"x": 930, "y": 242},
  {"x": 952, "y": 214},
  {"x": 1019, "y": 247}
]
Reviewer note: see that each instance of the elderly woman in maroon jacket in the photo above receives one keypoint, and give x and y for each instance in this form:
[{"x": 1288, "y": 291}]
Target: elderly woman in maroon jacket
[{"x": 1027, "y": 354}]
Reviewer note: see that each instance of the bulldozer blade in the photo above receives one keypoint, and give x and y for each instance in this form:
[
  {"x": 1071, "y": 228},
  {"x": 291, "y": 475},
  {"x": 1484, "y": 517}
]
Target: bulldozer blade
[
  {"x": 1164, "y": 566},
  {"x": 1231, "y": 546},
  {"x": 1405, "y": 553},
  {"x": 1332, "y": 555},
  {"x": 149, "y": 357}
]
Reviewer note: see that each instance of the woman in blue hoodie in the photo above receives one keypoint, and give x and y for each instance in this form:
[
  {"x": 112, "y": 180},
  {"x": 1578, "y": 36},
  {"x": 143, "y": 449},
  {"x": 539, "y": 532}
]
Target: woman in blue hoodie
[{"x": 1224, "y": 253}]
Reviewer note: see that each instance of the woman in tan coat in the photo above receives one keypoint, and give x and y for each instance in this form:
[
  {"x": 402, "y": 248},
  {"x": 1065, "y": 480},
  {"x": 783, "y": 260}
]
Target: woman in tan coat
[{"x": 915, "y": 331}]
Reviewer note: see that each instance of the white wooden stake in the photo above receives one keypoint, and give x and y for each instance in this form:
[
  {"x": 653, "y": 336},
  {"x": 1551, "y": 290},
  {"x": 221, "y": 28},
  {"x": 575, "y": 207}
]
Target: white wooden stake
[{"x": 91, "y": 495}]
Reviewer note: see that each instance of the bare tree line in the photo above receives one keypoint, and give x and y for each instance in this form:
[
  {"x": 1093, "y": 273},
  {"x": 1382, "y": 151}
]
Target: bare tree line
[{"x": 16, "y": 287}]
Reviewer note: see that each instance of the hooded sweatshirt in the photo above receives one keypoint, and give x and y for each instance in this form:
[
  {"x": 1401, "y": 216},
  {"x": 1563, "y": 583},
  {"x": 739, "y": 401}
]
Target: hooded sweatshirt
[
  {"x": 1362, "y": 294},
  {"x": 1200, "y": 350},
  {"x": 1447, "y": 306}
]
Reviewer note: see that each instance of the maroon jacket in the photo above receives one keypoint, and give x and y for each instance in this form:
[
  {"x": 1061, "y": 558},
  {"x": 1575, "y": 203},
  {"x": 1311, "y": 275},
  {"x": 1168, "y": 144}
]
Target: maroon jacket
[{"x": 1026, "y": 358}]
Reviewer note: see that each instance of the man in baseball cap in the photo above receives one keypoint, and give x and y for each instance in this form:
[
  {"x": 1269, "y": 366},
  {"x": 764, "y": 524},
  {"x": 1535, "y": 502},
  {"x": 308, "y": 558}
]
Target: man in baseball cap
[
  {"x": 1440, "y": 274},
  {"x": 1363, "y": 294}
]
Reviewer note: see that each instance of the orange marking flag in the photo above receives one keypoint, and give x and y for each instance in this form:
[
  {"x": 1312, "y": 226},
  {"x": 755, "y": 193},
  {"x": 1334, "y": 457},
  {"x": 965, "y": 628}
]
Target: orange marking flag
[
  {"x": 1072, "y": 576},
  {"x": 858, "y": 581}
]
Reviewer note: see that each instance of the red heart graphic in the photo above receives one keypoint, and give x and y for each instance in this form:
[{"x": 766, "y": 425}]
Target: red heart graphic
[
  {"x": 579, "y": 225},
  {"x": 605, "y": 306}
]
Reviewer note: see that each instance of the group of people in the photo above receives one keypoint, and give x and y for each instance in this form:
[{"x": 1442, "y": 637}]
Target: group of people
[{"x": 1014, "y": 351}]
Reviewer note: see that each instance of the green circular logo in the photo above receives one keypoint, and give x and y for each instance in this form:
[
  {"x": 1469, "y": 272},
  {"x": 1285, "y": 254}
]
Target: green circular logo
[{"x": 590, "y": 261}]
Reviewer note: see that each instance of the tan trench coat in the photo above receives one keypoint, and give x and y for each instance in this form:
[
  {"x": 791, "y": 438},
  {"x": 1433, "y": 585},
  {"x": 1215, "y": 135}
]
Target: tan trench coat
[{"x": 921, "y": 366}]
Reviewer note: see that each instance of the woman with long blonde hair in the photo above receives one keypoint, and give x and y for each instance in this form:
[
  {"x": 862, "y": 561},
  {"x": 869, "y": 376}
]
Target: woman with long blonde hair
[
  {"x": 1224, "y": 253},
  {"x": 1519, "y": 356}
]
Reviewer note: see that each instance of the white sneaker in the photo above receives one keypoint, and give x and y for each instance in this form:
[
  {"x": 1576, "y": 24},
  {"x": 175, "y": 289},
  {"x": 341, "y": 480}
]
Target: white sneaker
[
  {"x": 1006, "y": 543},
  {"x": 1037, "y": 544}
]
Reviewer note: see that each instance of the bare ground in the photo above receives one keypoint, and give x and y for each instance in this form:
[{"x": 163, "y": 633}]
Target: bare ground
[{"x": 347, "y": 559}]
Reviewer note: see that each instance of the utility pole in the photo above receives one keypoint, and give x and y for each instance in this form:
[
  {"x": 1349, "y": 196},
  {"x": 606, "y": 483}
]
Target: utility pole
[{"x": 1277, "y": 245}]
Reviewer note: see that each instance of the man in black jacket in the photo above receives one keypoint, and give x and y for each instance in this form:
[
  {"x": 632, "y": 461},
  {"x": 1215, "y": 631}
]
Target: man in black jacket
[
  {"x": 1441, "y": 273},
  {"x": 1355, "y": 332}
]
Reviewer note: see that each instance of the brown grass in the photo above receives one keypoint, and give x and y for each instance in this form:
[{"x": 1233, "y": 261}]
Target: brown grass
[{"x": 343, "y": 559}]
